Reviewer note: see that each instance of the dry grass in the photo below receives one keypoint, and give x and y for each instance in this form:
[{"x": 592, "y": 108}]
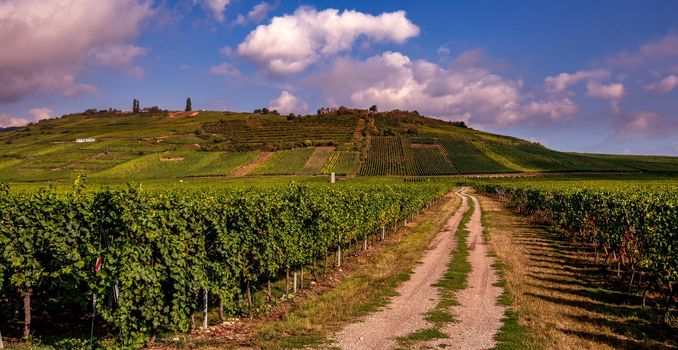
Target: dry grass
[{"x": 562, "y": 295}]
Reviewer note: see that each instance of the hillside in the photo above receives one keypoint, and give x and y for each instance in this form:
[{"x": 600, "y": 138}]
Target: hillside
[{"x": 124, "y": 147}]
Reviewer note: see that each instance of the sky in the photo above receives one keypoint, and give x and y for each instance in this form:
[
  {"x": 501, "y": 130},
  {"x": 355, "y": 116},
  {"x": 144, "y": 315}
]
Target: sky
[{"x": 577, "y": 75}]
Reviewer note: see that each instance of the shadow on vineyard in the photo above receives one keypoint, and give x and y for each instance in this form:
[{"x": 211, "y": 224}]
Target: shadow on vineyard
[{"x": 592, "y": 297}]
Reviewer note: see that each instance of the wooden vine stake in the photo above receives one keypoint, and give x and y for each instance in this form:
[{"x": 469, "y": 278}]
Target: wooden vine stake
[
  {"x": 204, "y": 310},
  {"x": 339, "y": 256},
  {"x": 301, "y": 278},
  {"x": 27, "y": 313},
  {"x": 295, "y": 283}
]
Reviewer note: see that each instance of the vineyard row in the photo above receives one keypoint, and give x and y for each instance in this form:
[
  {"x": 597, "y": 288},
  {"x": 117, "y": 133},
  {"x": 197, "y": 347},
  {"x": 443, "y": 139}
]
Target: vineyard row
[
  {"x": 157, "y": 252},
  {"x": 635, "y": 230}
]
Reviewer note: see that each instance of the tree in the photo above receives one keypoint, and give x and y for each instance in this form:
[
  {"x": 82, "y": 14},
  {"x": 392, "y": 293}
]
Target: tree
[
  {"x": 265, "y": 111},
  {"x": 188, "y": 105},
  {"x": 135, "y": 106},
  {"x": 374, "y": 109}
]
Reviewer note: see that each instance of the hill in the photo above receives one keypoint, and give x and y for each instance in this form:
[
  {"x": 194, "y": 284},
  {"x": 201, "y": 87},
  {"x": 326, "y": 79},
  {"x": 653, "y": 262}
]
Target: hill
[{"x": 122, "y": 147}]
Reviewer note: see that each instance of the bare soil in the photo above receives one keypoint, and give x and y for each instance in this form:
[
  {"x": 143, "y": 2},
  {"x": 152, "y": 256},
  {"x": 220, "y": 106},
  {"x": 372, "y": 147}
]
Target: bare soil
[
  {"x": 242, "y": 171},
  {"x": 416, "y": 296},
  {"x": 177, "y": 115}
]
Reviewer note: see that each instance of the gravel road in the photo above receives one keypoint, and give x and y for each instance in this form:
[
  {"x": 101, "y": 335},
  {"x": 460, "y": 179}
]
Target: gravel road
[
  {"x": 405, "y": 313},
  {"x": 478, "y": 313}
]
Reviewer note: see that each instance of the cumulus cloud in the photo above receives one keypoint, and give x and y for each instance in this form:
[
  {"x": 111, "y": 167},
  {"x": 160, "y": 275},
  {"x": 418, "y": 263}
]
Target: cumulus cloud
[
  {"x": 658, "y": 52},
  {"x": 563, "y": 81},
  {"x": 292, "y": 43},
  {"x": 217, "y": 7},
  {"x": 36, "y": 114},
  {"x": 40, "y": 113},
  {"x": 552, "y": 108},
  {"x": 612, "y": 92},
  {"x": 226, "y": 69},
  {"x": 392, "y": 80},
  {"x": 7, "y": 121},
  {"x": 663, "y": 86},
  {"x": 288, "y": 103},
  {"x": 256, "y": 15},
  {"x": 45, "y": 42}
]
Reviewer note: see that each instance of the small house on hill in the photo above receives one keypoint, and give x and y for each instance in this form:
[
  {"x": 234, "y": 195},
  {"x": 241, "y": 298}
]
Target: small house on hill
[{"x": 85, "y": 140}]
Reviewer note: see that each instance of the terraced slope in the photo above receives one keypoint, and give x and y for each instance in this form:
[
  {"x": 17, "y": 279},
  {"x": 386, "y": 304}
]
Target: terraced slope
[{"x": 129, "y": 147}]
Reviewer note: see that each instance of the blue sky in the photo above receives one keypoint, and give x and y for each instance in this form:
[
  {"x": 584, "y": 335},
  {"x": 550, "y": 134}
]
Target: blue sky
[{"x": 585, "y": 76}]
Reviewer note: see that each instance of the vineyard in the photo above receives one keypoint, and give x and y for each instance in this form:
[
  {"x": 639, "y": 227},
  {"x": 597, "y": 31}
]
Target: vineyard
[
  {"x": 632, "y": 228},
  {"x": 468, "y": 158},
  {"x": 430, "y": 161},
  {"x": 388, "y": 155},
  {"x": 260, "y": 131},
  {"x": 163, "y": 256},
  {"x": 426, "y": 156},
  {"x": 340, "y": 162},
  {"x": 287, "y": 162}
]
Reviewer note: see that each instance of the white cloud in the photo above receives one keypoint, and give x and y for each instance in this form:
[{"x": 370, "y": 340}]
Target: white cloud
[
  {"x": 292, "y": 43},
  {"x": 7, "y": 121},
  {"x": 217, "y": 8},
  {"x": 256, "y": 15},
  {"x": 655, "y": 53},
  {"x": 225, "y": 69},
  {"x": 663, "y": 86},
  {"x": 552, "y": 108},
  {"x": 612, "y": 92},
  {"x": 121, "y": 56},
  {"x": 226, "y": 51},
  {"x": 36, "y": 114},
  {"x": 288, "y": 103},
  {"x": 638, "y": 125},
  {"x": 40, "y": 113},
  {"x": 563, "y": 81},
  {"x": 472, "y": 94},
  {"x": 45, "y": 42},
  {"x": 643, "y": 121}
]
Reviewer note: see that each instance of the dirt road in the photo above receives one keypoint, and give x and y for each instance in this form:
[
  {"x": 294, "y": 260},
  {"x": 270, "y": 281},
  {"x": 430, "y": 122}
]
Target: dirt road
[
  {"x": 405, "y": 313},
  {"x": 478, "y": 312}
]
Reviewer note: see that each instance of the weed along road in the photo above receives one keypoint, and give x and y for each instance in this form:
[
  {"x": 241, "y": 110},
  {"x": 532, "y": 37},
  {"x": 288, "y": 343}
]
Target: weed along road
[{"x": 406, "y": 314}]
